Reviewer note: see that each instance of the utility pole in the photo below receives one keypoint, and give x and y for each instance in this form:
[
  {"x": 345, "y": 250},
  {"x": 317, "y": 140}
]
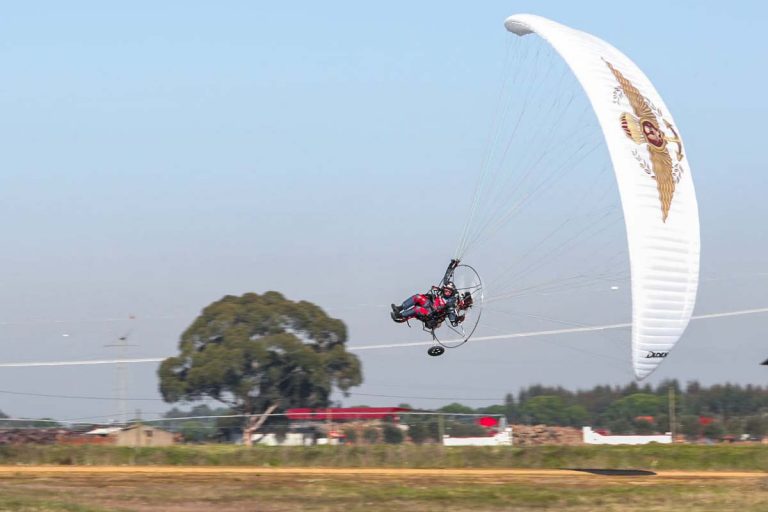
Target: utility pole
[
  {"x": 122, "y": 374},
  {"x": 143, "y": 440},
  {"x": 672, "y": 418}
]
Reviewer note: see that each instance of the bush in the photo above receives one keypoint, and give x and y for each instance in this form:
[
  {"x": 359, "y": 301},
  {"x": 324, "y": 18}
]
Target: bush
[
  {"x": 195, "y": 431},
  {"x": 350, "y": 434},
  {"x": 691, "y": 427},
  {"x": 643, "y": 427},
  {"x": 756, "y": 426},
  {"x": 463, "y": 429},
  {"x": 714, "y": 430},
  {"x": 418, "y": 433},
  {"x": 392, "y": 434},
  {"x": 620, "y": 427},
  {"x": 371, "y": 435}
]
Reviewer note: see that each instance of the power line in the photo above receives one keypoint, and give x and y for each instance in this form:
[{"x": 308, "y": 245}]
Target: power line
[
  {"x": 83, "y": 363},
  {"x": 497, "y": 399},
  {"x": 498, "y": 337},
  {"x": 52, "y": 321},
  {"x": 553, "y": 332},
  {"x": 77, "y": 397}
]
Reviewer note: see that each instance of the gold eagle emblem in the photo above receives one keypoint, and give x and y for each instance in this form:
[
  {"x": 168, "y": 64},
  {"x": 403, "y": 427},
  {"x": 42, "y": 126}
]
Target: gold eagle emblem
[{"x": 644, "y": 128}]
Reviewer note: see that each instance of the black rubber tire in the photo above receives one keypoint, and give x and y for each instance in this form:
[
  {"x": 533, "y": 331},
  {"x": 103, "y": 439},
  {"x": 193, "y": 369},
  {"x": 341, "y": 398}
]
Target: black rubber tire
[{"x": 436, "y": 350}]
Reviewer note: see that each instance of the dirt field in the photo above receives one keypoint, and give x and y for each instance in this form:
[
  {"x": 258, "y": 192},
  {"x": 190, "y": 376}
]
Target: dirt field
[{"x": 237, "y": 489}]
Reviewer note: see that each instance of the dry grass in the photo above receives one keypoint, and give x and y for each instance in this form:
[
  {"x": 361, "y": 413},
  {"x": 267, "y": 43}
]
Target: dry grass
[
  {"x": 652, "y": 457},
  {"x": 350, "y": 492}
]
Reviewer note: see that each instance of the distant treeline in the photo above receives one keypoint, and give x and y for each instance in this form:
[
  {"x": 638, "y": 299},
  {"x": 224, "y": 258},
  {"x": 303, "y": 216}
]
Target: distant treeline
[
  {"x": 713, "y": 412},
  {"x": 700, "y": 411}
]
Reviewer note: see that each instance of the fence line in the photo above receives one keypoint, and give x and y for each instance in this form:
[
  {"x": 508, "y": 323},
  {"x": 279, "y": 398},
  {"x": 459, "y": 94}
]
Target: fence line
[{"x": 219, "y": 416}]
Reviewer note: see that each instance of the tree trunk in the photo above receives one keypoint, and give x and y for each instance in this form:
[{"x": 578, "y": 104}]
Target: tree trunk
[{"x": 255, "y": 422}]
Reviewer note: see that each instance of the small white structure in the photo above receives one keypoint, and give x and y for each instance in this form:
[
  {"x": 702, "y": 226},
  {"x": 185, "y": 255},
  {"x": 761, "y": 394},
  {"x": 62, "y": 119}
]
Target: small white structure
[
  {"x": 323, "y": 441},
  {"x": 134, "y": 435},
  {"x": 104, "y": 431},
  {"x": 592, "y": 437},
  {"x": 290, "y": 439},
  {"x": 503, "y": 438}
]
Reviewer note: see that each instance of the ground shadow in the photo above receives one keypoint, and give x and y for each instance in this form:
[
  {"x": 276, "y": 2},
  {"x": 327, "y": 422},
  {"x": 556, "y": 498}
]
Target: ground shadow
[{"x": 613, "y": 472}]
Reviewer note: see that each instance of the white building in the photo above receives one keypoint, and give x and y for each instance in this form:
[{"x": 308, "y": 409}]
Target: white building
[
  {"x": 592, "y": 437},
  {"x": 289, "y": 439},
  {"x": 503, "y": 438}
]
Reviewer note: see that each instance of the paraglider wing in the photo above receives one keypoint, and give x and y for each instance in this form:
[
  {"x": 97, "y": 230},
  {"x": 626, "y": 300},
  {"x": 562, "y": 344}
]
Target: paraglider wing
[{"x": 654, "y": 181}]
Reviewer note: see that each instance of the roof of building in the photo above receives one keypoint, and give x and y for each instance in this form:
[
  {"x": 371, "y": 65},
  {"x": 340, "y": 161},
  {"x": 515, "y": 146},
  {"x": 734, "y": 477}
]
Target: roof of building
[
  {"x": 344, "y": 413},
  {"x": 104, "y": 431}
]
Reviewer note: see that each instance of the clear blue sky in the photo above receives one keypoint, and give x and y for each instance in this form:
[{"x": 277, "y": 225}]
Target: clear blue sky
[{"x": 157, "y": 156}]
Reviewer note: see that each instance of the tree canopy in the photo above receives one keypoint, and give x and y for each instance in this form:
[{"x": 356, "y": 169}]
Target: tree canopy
[
  {"x": 632, "y": 409},
  {"x": 256, "y": 351}
]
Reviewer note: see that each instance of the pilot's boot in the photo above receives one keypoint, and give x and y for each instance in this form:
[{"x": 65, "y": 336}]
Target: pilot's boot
[{"x": 397, "y": 318}]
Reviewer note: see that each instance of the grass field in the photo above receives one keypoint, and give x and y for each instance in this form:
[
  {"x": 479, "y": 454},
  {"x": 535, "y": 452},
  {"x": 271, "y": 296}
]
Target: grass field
[
  {"x": 651, "y": 457},
  {"x": 174, "y": 489},
  {"x": 382, "y": 478}
]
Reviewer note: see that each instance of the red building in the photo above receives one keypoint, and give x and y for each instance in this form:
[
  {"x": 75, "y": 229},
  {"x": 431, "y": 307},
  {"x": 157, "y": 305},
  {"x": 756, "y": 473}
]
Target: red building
[{"x": 346, "y": 414}]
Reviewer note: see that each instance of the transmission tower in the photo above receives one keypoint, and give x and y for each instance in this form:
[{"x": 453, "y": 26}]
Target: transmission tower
[{"x": 122, "y": 373}]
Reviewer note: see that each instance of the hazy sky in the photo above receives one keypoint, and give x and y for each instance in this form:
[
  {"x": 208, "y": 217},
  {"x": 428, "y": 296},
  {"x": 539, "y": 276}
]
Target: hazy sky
[{"x": 157, "y": 156}]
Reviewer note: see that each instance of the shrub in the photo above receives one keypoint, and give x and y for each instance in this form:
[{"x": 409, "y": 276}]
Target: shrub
[
  {"x": 418, "y": 433},
  {"x": 392, "y": 434},
  {"x": 350, "y": 434},
  {"x": 371, "y": 435}
]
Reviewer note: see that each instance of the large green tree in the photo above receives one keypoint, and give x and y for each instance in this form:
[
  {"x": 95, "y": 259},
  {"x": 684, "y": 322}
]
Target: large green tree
[
  {"x": 637, "y": 404},
  {"x": 547, "y": 409},
  {"x": 259, "y": 353}
]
